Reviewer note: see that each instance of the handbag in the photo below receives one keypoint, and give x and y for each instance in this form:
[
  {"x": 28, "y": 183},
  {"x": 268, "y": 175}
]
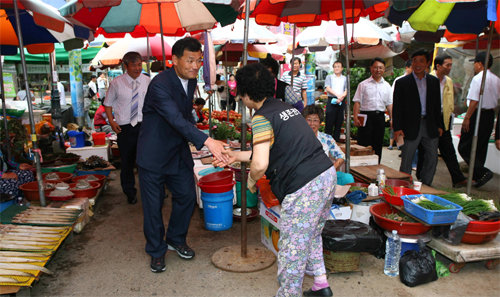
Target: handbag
[{"x": 290, "y": 96}]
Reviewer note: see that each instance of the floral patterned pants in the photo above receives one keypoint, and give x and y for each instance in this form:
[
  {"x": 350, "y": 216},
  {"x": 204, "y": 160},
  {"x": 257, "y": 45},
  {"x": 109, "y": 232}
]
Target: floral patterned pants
[{"x": 303, "y": 216}]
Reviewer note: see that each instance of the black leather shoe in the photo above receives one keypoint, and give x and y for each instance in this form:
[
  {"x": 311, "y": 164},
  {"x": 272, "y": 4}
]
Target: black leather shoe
[
  {"x": 158, "y": 264},
  {"x": 484, "y": 179},
  {"x": 325, "y": 292},
  {"x": 132, "y": 200},
  {"x": 183, "y": 251}
]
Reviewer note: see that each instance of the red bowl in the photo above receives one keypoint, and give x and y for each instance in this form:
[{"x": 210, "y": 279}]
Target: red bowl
[
  {"x": 30, "y": 191},
  {"x": 85, "y": 193},
  {"x": 398, "y": 183},
  {"x": 63, "y": 176},
  {"x": 361, "y": 185},
  {"x": 60, "y": 198},
  {"x": 400, "y": 191},
  {"x": 483, "y": 226},
  {"x": 217, "y": 188},
  {"x": 100, "y": 178},
  {"x": 479, "y": 237},
  {"x": 404, "y": 228},
  {"x": 220, "y": 177}
]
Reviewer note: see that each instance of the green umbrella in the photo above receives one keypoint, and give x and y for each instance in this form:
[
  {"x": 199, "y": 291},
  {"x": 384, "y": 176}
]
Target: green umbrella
[{"x": 61, "y": 56}]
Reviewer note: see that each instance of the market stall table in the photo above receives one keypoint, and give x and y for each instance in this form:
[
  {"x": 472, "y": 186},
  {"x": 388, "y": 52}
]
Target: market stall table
[{"x": 368, "y": 174}]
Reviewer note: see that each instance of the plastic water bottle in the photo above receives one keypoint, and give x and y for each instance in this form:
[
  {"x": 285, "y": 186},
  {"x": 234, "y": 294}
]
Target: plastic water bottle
[{"x": 392, "y": 254}]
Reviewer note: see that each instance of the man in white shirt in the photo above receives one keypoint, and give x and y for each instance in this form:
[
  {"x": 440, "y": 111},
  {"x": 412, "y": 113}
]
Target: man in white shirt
[
  {"x": 336, "y": 88},
  {"x": 373, "y": 97},
  {"x": 102, "y": 84},
  {"x": 62, "y": 95},
  {"x": 490, "y": 101},
  {"x": 92, "y": 86},
  {"x": 123, "y": 105}
]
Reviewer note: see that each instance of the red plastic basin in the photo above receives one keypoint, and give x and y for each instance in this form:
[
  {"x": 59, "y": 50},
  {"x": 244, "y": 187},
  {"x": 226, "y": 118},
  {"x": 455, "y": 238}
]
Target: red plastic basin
[
  {"x": 483, "y": 226},
  {"x": 30, "y": 191},
  {"x": 405, "y": 228},
  {"x": 479, "y": 237},
  {"x": 100, "y": 178},
  {"x": 221, "y": 177},
  {"x": 397, "y": 183},
  {"x": 60, "y": 198},
  {"x": 399, "y": 191},
  {"x": 63, "y": 176},
  {"x": 85, "y": 193},
  {"x": 217, "y": 188}
]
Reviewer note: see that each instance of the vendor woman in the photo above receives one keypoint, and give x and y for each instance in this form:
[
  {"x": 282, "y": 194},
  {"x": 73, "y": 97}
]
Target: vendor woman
[{"x": 301, "y": 175}]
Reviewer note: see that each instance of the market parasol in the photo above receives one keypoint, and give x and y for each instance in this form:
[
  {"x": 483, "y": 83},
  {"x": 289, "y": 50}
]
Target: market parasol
[
  {"x": 142, "y": 17},
  {"x": 40, "y": 24}
]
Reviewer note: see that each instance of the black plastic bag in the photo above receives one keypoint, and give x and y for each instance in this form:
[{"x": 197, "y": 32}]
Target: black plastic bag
[
  {"x": 350, "y": 236},
  {"x": 417, "y": 267}
]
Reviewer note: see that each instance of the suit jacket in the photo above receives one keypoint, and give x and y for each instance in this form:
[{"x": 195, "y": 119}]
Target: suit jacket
[
  {"x": 168, "y": 125},
  {"x": 407, "y": 110}
]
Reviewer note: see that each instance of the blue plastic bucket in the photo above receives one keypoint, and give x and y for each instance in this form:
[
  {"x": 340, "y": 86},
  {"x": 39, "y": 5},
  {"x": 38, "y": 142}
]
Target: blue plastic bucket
[
  {"x": 76, "y": 139},
  {"x": 218, "y": 210}
]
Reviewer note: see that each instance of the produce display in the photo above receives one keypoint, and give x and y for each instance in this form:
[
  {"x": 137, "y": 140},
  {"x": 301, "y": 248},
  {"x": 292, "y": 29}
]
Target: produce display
[
  {"x": 427, "y": 204},
  {"x": 399, "y": 217},
  {"x": 471, "y": 206},
  {"x": 363, "y": 189},
  {"x": 93, "y": 162}
]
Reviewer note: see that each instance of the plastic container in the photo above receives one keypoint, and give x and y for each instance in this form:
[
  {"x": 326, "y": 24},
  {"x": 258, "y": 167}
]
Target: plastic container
[
  {"x": 225, "y": 176},
  {"x": 251, "y": 197},
  {"x": 397, "y": 183},
  {"x": 85, "y": 193},
  {"x": 63, "y": 176},
  {"x": 392, "y": 254},
  {"x": 76, "y": 139},
  {"x": 406, "y": 228},
  {"x": 47, "y": 117},
  {"x": 372, "y": 190},
  {"x": 64, "y": 168},
  {"x": 217, "y": 188},
  {"x": 479, "y": 237},
  {"x": 209, "y": 170},
  {"x": 431, "y": 217},
  {"x": 30, "y": 191},
  {"x": 266, "y": 194},
  {"x": 99, "y": 138},
  {"x": 100, "y": 178},
  {"x": 483, "y": 226},
  {"x": 399, "y": 191},
  {"x": 99, "y": 172},
  {"x": 381, "y": 178},
  {"x": 218, "y": 210},
  {"x": 410, "y": 243}
]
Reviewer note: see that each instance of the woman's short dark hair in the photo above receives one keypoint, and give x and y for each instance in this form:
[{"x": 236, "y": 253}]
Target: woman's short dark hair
[
  {"x": 131, "y": 57},
  {"x": 314, "y": 109},
  {"x": 270, "y": 62},
  {"x": 187, "y": 43},
  {"x": 255, "y": 81}
]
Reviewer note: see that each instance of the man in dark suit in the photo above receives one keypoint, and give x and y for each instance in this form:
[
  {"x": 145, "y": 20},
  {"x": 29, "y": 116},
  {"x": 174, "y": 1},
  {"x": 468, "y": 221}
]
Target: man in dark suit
[
  {"x": 417, "y": 115},
  {"x": 163, "y": 153}
]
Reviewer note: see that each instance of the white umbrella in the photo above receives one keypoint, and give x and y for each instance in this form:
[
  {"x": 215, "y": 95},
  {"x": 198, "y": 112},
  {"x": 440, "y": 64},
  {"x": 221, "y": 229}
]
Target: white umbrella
[
  {"x": 363, "y": 32},
  {"x": 234, "y": 33}
]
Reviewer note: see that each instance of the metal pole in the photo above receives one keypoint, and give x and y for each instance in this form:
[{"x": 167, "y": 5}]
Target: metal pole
[
  {"x": 227, "y": 86},
  {"x": 244, "y": 144},
  {"x": 30, "y": 107},
  {"x": 210, "y": 115},
  {"x": 162, "y": 42},
  {"x": 4, "y": 110},
  {"x": 478, "y": 115},
  {"x": 293, "y": 56},
  {"x": 348, "y": 96},
  {"x": 149, "y": 54},
  {"x": 55, "y": 96}
]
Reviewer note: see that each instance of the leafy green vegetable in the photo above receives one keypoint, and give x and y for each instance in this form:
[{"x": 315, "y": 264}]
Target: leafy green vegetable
[{"x": 427, "y": 204}]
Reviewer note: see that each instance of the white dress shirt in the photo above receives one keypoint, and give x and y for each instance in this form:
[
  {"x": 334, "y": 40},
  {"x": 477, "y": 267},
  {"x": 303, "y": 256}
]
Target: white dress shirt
[
  {"x": 62, "y": 94},
  {"x": 337, "y": 83},
  {"x": 422, "y": 92},
  {"x": 491, "y": 89},
  {"x": 119, "y": 97},
  {"x": 93, "y": 86},
  {"x": 373, "y": 95}
]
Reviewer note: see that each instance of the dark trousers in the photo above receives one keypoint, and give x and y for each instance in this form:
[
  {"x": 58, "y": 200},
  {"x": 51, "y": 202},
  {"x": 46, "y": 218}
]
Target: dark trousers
[
  {"x": 429, "y": 160},
  {"x": 127, "y": 143},
  {"x": 484, "y": 133},
  {"x": 373, "y": 132},
  {"x": 182, "y": 187},
  {"x": 334, "y": 117},
  {"x": 449, "y": 157},
  {"x": 232, "y": 103}
]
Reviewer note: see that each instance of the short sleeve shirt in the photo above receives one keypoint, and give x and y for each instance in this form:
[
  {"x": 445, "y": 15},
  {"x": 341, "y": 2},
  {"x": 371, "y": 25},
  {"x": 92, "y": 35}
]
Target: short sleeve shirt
[
  {"x": 262, "y": 130},
  {"x": 299, "y": 81},
  {"x": 373, "y": 95},
  {"x": 330, "y": 146},
  {"x": 337, "y": 83},
  {"x": 491, "y": 89}
]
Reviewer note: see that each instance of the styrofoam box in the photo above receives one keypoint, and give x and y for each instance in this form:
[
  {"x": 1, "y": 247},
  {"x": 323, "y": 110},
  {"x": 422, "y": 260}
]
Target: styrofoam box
[
  {"x": 87, "y": 151},
  {"x": 362, "y": 161}
]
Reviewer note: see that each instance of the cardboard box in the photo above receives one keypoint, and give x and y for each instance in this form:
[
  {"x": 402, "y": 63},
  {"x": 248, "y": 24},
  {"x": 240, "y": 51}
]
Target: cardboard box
[{"x": 269, "y": 226}]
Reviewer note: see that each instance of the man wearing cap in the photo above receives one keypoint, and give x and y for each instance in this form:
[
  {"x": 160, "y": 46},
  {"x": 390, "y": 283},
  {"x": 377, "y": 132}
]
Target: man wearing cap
[{"x": 490, "y": 100}]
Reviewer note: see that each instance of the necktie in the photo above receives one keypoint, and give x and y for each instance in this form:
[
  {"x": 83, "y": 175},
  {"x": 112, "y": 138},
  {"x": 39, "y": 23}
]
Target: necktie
[{"x": 134, "y": 104}]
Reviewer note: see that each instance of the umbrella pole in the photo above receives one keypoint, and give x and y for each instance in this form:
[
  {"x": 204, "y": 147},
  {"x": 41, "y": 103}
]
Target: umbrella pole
[
  {"x": 30, "y": 108},
  {"x": 227, "y": 87},
  {"x": 149, "y": 54},
  {"x": 293, "y": 55},
  {"x": 209, "y": 98},
  {"x": 162, "y": 42},
  {"x": 55, "y": 101},
  {"x": 348, "y": 101},
  {"x": 478, "y": 116},
  {"x": 4, "y": 110},
  {"x": 240, "y": 258}
]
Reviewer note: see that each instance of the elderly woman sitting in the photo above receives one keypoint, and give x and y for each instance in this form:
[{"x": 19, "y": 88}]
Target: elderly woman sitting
[{"x": 314, "y": 116}]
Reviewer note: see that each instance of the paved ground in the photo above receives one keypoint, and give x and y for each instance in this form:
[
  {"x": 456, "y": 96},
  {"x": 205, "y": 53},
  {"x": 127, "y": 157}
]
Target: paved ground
[{"x": 108, "y": 259}]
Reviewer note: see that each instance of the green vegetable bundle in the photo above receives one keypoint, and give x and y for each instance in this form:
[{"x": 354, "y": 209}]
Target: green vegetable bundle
[
  {"x": 427, "y": 204},
  {"x": 470, "y": 207}
]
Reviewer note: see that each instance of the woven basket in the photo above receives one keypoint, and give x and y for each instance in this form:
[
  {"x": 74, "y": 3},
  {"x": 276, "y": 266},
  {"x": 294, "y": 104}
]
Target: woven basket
[{"x": 341, "y": 261}]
